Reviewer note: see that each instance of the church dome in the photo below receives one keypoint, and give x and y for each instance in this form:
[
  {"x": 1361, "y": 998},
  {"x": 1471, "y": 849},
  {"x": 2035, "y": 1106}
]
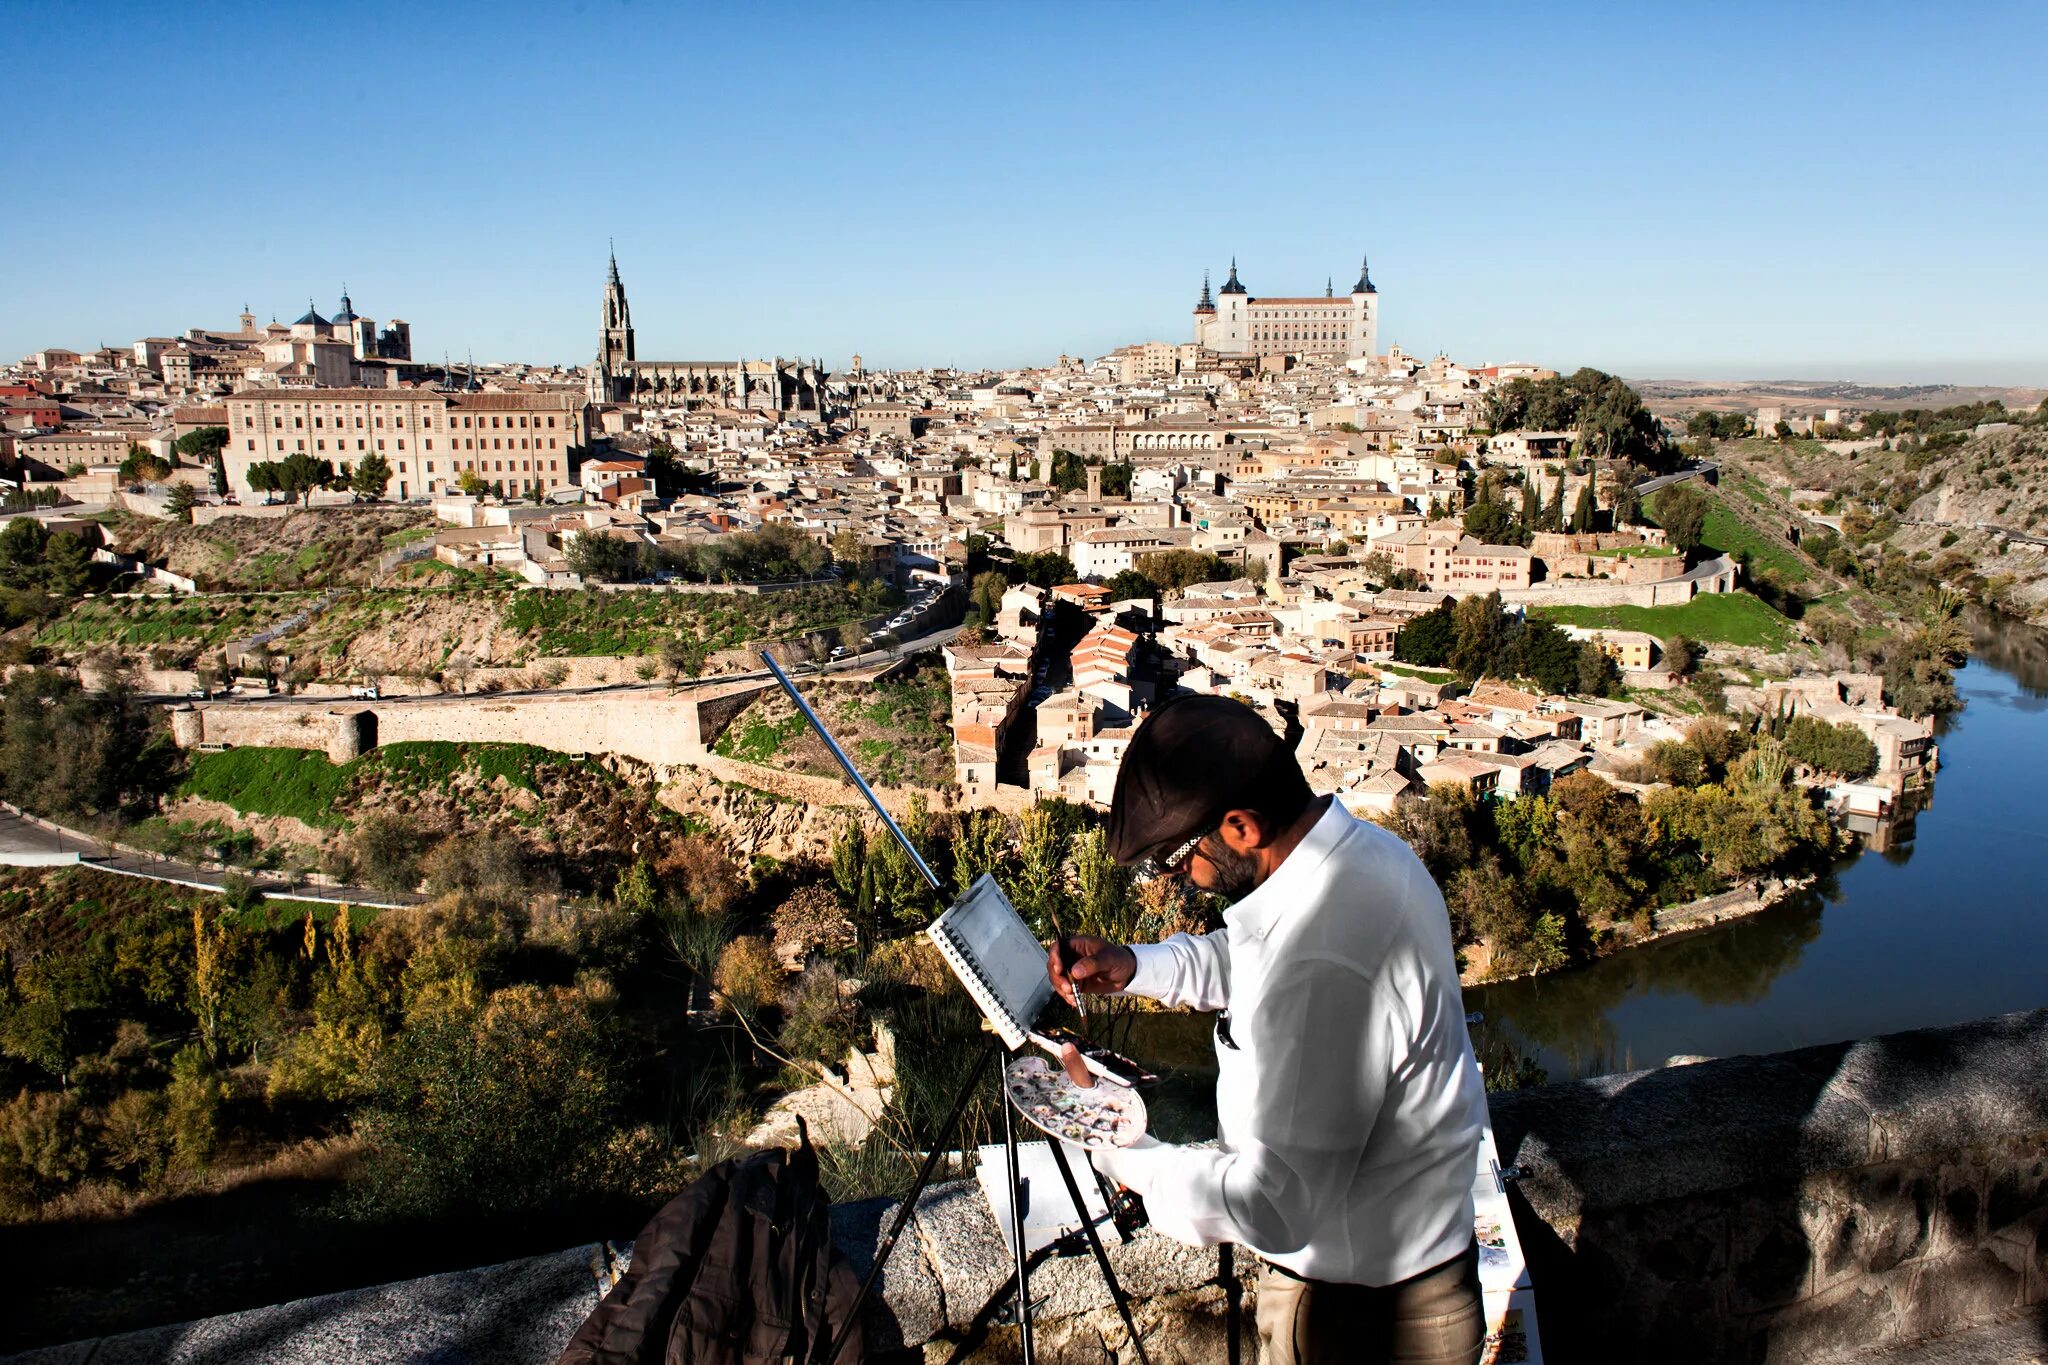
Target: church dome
[
  {"x": 312, "y": 316},
  {"x": 348, "y": 310}
]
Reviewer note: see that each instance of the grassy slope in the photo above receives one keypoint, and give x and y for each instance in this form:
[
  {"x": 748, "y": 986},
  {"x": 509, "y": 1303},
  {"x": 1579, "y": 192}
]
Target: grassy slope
[
  {"x": 639, "y": 622},
  {"x": 197, "y": 622},
  {"x": 1728, "y": 534},
  {"x": 302, "y": 783},
  {"x": 898, "y": 730},
  {"x": 316, "y": 549},
  {"x": 1717, "y": 618}
]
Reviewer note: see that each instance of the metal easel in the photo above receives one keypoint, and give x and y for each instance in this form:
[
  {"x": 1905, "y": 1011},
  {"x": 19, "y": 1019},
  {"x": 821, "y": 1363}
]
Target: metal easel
[{"x": 940, "y": 1141}]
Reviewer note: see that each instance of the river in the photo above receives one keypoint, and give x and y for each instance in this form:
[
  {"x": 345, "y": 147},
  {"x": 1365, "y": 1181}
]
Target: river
[{"x": 1943, "y": 924}]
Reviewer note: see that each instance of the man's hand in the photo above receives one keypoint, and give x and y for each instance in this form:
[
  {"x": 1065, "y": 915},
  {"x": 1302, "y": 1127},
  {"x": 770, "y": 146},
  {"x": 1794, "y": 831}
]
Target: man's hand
[{"x": 1099, "y": 966}]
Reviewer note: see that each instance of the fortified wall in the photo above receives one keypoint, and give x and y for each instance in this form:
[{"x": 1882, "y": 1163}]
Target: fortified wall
[
  {"x": 1809, "y": 1206},
  {"x": 652, "y": 725},
  {"x": 1716, "y": 575}
]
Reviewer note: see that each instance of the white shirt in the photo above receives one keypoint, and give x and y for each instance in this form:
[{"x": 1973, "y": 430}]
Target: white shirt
[{"x": 1351, "y": 1109}]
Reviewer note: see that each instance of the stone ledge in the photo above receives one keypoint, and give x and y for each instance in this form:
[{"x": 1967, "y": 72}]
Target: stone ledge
[
  {"x": 1804, "y": 1206},
  {"x": 523, "y": 1312},
  {"x": 1644, "y": 1136},
  {"x": 510, "y": 1314}
]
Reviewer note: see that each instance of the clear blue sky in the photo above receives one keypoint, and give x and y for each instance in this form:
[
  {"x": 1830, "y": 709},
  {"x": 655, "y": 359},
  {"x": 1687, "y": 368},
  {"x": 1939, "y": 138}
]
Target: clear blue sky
[{"x": 1735, "y": 190}]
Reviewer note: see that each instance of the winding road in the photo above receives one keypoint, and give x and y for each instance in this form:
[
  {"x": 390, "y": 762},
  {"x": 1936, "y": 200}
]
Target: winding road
[{"x": 28, "y": 841}]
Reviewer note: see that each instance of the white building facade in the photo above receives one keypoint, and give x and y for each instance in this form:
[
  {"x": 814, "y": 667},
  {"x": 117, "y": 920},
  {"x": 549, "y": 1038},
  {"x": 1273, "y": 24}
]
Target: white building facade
[{"x": 1235, "y": 322}]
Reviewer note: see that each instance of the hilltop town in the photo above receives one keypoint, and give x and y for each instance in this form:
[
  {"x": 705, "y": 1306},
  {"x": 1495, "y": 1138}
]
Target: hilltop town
[{"x": 1276, "y": 509}]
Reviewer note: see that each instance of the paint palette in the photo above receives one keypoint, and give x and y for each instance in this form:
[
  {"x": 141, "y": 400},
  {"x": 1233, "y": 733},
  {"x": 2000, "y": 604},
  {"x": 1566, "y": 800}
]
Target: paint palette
[{"x": 1103, "y": 1115}]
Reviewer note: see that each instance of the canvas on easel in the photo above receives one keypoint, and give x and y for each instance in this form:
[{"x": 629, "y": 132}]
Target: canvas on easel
[{"x": 997, "y": 958}]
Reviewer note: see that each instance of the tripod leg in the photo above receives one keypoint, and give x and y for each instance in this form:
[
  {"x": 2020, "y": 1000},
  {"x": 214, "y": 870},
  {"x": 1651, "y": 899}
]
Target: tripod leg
[
  {"x": 1116, "y": 1291},
  {"x": 909, "y": 1204},
  {"x": 1017, "y": 1235}
]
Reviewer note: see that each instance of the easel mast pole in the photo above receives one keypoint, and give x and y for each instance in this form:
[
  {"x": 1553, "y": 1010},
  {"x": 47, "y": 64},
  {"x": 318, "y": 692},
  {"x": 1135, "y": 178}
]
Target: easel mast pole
[{"x": 853, "y": 774}]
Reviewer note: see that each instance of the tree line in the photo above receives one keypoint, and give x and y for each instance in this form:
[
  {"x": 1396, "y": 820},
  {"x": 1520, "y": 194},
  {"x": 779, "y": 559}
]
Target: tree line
[
  {"x": 299, "y": 476},
  {"x": 1608, "y": 416},
  {"x": 1476, "y": 638},
  {"x": 1544, "y": 880}
]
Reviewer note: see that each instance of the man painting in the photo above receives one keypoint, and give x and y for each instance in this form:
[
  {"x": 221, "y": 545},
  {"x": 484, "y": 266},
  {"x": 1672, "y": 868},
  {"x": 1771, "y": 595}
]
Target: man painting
[{"x": 1348, "y": 1103}]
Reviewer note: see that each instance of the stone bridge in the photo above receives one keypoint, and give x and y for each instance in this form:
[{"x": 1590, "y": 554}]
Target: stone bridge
[{"x": 1884, "y": 1200}]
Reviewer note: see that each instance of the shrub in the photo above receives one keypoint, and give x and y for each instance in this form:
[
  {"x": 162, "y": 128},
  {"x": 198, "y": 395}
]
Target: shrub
[
  {"x": 194, "y": 1098},
  {"x": 747, "y": 974},
  {"x": 488, "y": 868},
  {"x": 812, "y": 920},
  {"x": 42, "y": 1140},
  {"x": 136, "y": 1135},
  {"x": 696, "y": 870},
  {"x": 821, "y": 1022},
  {"x": 498, "y": 1108},
  {"x": 912, "y": 961},
  {"x": 386, "y": 852}
]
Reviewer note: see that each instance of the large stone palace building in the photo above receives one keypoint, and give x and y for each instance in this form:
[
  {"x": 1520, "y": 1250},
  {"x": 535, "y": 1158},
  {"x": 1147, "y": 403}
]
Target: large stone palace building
[
  {"x": 1235, "y": 321},
  {"x": 620, "y": 376},
  {"x": 515, "y": 441}
]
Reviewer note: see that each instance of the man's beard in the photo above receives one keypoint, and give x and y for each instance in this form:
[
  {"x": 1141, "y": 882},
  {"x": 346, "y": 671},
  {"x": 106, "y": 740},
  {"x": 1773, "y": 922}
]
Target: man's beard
[{"x": 1237, "y": 874}]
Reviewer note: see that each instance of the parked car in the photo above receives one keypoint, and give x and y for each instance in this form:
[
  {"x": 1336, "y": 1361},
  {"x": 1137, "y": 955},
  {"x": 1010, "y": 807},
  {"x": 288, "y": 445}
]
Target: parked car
[
  {"x": 366, "y": 693},
  {"x": 199, "y": 694},
  {"x": 839, "y": 651}
]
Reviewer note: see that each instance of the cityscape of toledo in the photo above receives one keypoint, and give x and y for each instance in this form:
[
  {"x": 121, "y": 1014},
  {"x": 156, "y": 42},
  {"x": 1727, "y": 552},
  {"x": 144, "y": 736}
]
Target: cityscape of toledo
[{"x": 1299, "y": 686}]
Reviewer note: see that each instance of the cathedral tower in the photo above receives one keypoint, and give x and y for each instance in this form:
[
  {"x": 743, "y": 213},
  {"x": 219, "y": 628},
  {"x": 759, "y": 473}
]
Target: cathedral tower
[
  {"x": 617, "y": 347},
  {"x": 613, "y": 373}
]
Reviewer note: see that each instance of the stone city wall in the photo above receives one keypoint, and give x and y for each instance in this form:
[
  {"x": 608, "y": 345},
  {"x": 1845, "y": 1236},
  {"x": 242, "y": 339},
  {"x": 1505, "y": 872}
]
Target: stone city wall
[
  {"x": 1716, "y": 575},
  {"x": 652, "y": 726},
  {"x": 1629, "y": 569}
]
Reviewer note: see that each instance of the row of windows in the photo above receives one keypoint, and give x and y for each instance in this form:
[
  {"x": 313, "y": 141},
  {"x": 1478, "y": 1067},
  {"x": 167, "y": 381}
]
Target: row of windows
[
  {"x": 494, "y": 443},
  {"x": 480, "y": 466},
  {"x": 249, "y": 423}
]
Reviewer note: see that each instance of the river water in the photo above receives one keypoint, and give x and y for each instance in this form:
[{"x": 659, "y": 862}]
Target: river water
[{"x": 1945, "y": 923}]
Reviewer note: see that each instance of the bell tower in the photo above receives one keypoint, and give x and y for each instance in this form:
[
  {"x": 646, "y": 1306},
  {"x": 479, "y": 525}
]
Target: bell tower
[
  {"x": 616, "y": 349},
  {"x": 613, "y": 372}
]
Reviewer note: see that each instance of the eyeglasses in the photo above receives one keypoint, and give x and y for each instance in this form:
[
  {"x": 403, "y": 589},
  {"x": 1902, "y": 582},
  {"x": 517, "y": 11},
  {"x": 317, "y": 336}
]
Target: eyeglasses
[{"x": 1170, "y": 864}]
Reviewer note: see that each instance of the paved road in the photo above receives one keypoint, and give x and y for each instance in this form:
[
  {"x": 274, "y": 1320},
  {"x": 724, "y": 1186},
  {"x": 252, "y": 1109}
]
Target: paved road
[
  {"x": 2024, "y": 537},
  {"x": 1710, "y": 472},
  {"x": 867, "y": 660},
  {"x": 28, "y": 843}
]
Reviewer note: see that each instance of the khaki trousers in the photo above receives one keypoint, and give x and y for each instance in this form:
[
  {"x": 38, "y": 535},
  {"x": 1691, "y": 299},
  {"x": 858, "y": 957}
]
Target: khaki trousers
[{"x": 1434, "y": 1318}]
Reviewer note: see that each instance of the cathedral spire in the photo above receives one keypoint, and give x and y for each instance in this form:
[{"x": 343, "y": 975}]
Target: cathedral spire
[
  {"x": 612, "y": 243},
  {"x": 1206, "y": 304}
]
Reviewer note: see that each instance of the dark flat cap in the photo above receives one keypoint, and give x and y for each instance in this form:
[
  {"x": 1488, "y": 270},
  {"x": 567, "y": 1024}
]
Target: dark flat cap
[{"x": 1192, "y": 760}]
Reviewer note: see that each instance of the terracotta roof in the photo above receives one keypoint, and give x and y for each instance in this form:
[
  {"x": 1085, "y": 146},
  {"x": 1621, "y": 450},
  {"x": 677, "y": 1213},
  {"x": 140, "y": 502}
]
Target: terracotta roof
[
  {"x": 341, "y": 395},
  {"x": 508, "y": 402}
]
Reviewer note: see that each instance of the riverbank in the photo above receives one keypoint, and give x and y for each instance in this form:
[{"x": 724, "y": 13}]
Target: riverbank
[
  {"x": 1931, "y": 922},
  {"x": 1740, "y": 902}
]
